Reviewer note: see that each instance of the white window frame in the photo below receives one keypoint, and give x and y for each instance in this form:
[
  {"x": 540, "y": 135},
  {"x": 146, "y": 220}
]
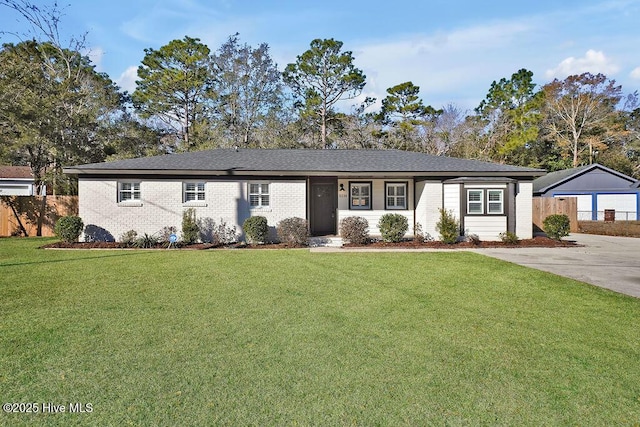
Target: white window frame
[
  {"x": 394, "y": 197},
  {"x": 197, "y": 192},
  {"x": 359, "y": 196},
  {"x": 263, "y": 197},
  {"x": 134, "y": 194},
  {"x": 499, "y": 202},
  {"x": 480, "y": 202}
]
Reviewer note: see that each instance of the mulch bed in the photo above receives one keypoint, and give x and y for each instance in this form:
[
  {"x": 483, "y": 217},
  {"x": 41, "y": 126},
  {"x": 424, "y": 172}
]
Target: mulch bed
[
  {"x": 536, "y": 242},
  {"x": 539, "y": 241}
]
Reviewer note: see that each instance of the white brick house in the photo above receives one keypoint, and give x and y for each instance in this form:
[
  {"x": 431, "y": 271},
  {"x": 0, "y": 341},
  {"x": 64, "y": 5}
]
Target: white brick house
[{"x": 322, "y": 186}]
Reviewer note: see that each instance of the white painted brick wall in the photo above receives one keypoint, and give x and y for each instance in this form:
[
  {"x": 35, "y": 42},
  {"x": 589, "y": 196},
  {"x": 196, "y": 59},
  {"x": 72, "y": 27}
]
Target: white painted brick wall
[
  {"x": 429, "y": 201},
  {"x": 524, "y": 210},
  {"x": 161, "y": 204}
]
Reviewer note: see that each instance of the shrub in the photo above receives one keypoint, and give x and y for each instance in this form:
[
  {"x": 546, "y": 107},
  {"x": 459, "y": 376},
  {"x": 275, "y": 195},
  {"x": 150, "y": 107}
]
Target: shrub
[
  {"x": 146, "y": 241},
  {"x": 129, "y": 238},
  {"x": 189, "y": 226},
  {"x": 256, "y": 229},
  {"x": 68, "y": 228},
  {"x": 448, "y": 227},
  {"x": 472, "y": 238},
  {"x": 509, "y": 237},
  {"x": 224, "y": 234},
  {"x": 393, "y": 227},
  {"x": 293, "y": 231},
  {"x": 557, "y": 226},
  {"x": 355, "y": 229}
]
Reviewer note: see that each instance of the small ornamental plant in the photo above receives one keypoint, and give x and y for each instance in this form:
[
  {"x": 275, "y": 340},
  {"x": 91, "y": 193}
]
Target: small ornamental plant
[
  {"x": 355, "y": 229},
  {"x": 68, "y": 228},
  {"x": 256, "y": 229},
  {"x": 448, "y": 227},
  {"x": 557, "y": 226},
  {"x": 393, "y": 227},
  {"x": 190, "y": 227},
  {"x": 509, "y": 238}
]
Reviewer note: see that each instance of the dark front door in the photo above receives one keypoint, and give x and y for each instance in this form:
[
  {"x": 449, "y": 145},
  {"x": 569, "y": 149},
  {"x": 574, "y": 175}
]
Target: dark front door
[{"x": 323, "y": 208}]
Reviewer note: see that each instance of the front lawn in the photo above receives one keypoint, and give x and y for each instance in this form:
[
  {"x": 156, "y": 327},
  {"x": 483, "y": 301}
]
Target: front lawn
[{"x": 261, "y": 337}]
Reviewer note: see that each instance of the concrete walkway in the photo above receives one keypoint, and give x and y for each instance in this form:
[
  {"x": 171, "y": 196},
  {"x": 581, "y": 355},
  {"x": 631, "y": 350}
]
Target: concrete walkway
[{"x": 605, "y": 261}]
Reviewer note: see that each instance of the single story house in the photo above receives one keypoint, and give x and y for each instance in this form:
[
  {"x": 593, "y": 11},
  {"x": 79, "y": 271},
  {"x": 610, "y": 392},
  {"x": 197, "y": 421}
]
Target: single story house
[
  {"x": 17, "y": 181},
  {"x": 597, "y": 188},
  {"x": 322, "y": 186}
]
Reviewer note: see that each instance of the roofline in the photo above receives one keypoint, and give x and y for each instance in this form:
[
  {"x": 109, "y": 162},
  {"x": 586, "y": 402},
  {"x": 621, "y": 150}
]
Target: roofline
[
  {"x": 582, "y": 172},
  {"x": 231, "y": 172}
]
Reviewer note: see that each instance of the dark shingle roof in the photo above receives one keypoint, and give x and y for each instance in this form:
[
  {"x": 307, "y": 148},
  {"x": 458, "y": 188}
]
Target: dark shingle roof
[
  {"x": 225, "y": 161},
  {"x": 553, "y": 179},
  {"x": 556, "y": 177}
]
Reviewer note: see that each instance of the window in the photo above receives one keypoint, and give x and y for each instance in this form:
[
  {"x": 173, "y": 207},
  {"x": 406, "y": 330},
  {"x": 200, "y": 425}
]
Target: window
[
  {"x": 474, "y": 202},
  {"x": 193, "y": 192},
  {"x": 494, "y": 204},
  {"x": 259, "y": 194},
  {"x": 396, "y": 193},
  {"x": 128, "y": 191},
  {"x": 360, "y": 195}
]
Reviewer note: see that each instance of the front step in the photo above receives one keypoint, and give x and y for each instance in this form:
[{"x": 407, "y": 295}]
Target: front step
[{"x": 325, "y": 242}]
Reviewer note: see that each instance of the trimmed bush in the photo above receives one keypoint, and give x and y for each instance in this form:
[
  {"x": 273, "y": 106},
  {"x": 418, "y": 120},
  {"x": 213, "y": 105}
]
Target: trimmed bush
[
  {"x": 189, "y": 226},
  {"x": 557, "y": 226},
  {"x": 509, "y": 237},
  {"x": 355, "y": 229},
  {"x": 393, "y": 227},
  {"x": 293, "y": 231},
  {"x": 68, "y": 228},
  {"x": 256, "y": 229},
  {"x": 448, "y": 227}
]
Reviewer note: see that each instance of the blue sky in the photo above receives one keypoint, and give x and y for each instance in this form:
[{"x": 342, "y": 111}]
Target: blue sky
[{"x": 452, "y": 49}]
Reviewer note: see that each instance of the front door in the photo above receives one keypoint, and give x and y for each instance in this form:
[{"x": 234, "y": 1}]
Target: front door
[{"x": 323, "y": 207}]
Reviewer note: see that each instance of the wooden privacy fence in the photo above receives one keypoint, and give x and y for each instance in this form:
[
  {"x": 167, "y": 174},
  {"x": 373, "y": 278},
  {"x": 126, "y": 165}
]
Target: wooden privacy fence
[
  {"x": 545, "y": 206},
  {"x": 28, "y": 214}
]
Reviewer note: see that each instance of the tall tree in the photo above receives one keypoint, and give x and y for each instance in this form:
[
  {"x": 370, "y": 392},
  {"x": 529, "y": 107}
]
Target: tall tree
[
  {"x": 511, "y": 111},
  {"x": 577, "y": 110},
  {"x": 175, "y": 86},
  {"x": 322, "y": 76},
  {"x": 249, "y": 88},
  {"x": 51, "y": 111},
  {"x": 53, "y": 100},
  {"x": 409, "y": 123}
]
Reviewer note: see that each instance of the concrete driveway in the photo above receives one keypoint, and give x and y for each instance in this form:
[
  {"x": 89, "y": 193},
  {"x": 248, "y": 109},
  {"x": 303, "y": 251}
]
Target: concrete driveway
[{"x": 605, "y": 261}]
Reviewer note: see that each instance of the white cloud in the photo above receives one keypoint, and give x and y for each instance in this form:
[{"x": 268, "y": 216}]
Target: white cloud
[
  {"x": 127, "y": 80},
  {"x": 443, "y": 64},
  {"x": 635, "y": 73},
  {"x": 592, "y": 62}
]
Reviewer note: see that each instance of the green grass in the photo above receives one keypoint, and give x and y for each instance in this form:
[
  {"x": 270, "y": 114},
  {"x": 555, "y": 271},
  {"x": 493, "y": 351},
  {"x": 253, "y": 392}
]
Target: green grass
[{"x": 242, "y": 337}]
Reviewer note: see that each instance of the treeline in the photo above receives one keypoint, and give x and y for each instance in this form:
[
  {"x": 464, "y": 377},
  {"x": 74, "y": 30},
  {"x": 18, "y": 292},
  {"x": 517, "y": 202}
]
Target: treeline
[{"x": 56, "y": 110}]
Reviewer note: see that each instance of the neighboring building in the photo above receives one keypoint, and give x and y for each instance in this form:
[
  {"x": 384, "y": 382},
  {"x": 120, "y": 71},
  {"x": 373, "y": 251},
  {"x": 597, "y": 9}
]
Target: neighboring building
[
  {"x": 17, "y": 181},
  {"x": 322, "y": 186},
  {"x": 597, "y": 189}
]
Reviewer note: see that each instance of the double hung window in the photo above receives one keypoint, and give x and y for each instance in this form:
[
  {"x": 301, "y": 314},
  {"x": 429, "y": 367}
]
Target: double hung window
[
  {"x": 259, "y": 195},
  {"x": 193, "y": 192},
  {"x": 128, "y": 191}
]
